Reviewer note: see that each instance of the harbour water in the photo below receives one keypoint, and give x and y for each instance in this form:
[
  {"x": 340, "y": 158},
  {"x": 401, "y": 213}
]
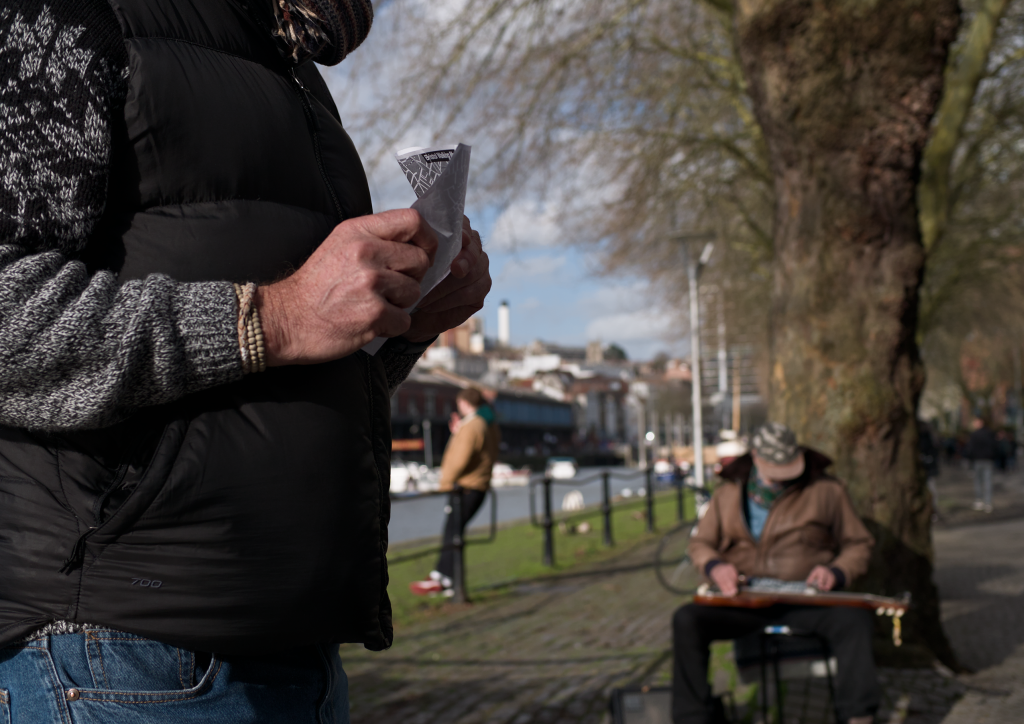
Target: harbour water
[{"x": 423, "y": 517}]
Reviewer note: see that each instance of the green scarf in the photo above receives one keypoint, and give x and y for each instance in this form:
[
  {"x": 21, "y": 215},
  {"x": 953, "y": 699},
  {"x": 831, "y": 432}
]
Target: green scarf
[
  {"x": 486, "y": 412},
  {"x": 761, "y": 491}
]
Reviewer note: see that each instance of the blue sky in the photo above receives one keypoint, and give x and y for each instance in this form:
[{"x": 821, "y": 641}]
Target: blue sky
[{"x": 553, "y": 290}]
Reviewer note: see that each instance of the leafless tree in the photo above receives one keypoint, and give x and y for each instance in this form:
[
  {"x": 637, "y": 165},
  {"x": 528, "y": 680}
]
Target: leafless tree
[{"x": 643, "y": 120}]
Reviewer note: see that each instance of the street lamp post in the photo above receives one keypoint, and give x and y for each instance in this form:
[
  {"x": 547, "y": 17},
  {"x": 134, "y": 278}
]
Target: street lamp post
[
  {"x": 693, "y": 270},
  {"x": 641, "y": 437},
  {"x": 428, "y": 445}
]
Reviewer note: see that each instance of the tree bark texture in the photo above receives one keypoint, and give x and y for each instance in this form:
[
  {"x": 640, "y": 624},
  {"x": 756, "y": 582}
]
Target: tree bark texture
[{"x": 844, "y": 91}]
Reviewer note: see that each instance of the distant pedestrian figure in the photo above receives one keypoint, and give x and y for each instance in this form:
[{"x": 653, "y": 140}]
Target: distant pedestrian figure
[
  {"x": 465, "y": 472},
  {"x": 981, "y": 451},
  {"x": 1004, "y": 446}
]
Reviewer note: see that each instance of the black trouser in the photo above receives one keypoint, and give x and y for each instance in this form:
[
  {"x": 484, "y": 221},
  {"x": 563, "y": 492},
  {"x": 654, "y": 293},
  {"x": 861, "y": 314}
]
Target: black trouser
[
  {"x": 471, "y": 501},
  {"x": 847, "y": 630}
]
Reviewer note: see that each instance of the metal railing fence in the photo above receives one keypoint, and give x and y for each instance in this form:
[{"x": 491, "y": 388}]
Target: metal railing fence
[{"x": 547, "y": 523}]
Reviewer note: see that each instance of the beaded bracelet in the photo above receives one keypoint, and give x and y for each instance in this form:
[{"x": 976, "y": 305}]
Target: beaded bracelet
[
  {"x": 261, "y": 351},
  {"x": 250, "y": 331}
]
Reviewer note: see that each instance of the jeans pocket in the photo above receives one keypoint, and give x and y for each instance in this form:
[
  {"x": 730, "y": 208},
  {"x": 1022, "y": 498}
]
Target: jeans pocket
[
  {"x": 5, "y": 707},
  {"x": 125, "y": 664}
]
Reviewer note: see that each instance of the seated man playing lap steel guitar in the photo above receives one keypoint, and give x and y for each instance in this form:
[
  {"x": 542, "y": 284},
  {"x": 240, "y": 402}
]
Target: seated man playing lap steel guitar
[{"x": 777, "y": 515}]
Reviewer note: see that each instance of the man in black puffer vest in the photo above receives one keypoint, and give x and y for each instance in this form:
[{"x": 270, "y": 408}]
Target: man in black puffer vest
[{"x": 194, "y": 450}]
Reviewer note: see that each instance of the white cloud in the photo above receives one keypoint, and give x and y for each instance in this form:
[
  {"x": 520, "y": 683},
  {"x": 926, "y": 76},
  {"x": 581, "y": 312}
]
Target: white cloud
[
  {"x": 525, "y": 225},
  {"x": 645, "y": 324},
  {"x": 614, "y": 298},
  {"x": 642, "y": 333},
  {"x": 530, "y": 270}
]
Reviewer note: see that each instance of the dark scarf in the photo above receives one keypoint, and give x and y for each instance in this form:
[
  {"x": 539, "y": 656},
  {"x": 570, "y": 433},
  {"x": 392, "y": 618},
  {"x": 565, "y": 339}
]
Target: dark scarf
[{"x": 321, "y": 30}]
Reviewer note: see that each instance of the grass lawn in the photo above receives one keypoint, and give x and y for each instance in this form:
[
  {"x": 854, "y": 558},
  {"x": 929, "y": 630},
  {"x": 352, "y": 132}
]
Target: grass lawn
[{"x": 515, "y": 554}]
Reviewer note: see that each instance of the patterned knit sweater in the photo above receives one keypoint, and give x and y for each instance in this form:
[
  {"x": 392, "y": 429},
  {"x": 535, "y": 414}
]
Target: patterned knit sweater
[{"x": 80, "y": 350}]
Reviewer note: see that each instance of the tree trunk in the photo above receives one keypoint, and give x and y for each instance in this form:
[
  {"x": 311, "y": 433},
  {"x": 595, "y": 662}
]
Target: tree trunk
[{"x": 844, "y": 91}]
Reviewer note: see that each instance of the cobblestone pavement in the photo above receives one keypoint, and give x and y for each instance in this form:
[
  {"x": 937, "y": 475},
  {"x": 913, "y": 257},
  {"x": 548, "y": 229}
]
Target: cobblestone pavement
[
  {"x": 994, "y": 696},
  {"x": 956, "y": 493},
  {"x": 553, "y": 652},
  {"x": 981, "y": 579},
  {"x": 547, "y": 654}
]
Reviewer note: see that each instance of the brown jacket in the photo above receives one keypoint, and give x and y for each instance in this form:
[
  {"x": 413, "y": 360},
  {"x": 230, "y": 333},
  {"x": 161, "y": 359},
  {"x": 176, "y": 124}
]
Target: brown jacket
[
  {"x": 470, "y": 455},
  {"x": 811, "y": 523}
]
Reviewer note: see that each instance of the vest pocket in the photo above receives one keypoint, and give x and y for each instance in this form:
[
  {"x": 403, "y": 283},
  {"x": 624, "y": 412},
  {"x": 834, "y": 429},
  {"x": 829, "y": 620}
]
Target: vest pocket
[
  {"x": 99, "y": 468},
  {"x": 137, "y": 482}
]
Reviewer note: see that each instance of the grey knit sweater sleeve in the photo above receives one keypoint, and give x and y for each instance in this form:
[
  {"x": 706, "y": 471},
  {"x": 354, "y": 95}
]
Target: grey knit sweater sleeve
[{"x": 80, "y": 350}]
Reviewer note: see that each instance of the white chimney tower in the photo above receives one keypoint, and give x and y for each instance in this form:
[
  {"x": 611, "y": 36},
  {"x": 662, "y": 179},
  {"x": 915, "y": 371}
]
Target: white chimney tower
[{"x": 504, "y": 325}]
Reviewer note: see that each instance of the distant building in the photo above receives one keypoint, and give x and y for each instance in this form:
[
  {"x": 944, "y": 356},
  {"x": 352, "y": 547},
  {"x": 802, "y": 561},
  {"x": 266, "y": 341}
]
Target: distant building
[
  {"x": 721, "y": 383},
  {"x": 532, "y": 424},
  {"x": 452, "y": 360},
  {"x": 504, "y": 325},
  {"x": 566, "y": 353},
  {"x": 676, "y": 369},
  {"x": 459, "y": 350},
  {"x": 465, "y": 337},
  {"x": 601, "y": 413}
]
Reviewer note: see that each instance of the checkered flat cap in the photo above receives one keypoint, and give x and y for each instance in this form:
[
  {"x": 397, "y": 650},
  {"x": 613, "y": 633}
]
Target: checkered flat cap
[{"x": 775, "y": 442}]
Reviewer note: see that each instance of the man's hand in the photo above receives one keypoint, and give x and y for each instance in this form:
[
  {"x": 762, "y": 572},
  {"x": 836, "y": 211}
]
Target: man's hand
[
  {"x": 821, "y": 578},
  {"x": 352, "y": 289},
  {"x": 459, "y": 296},
  {"x": 727, "y": 578}
]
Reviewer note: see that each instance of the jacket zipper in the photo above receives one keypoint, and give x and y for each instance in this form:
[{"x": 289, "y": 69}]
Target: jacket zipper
[
  {"x": 314, "y": 127},
  {"x": 122, "y": 472},
  {"x": 77, "y": 556}
]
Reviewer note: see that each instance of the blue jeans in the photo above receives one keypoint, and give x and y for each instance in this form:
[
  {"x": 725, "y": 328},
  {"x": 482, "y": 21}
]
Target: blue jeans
[
  {"x": 109, "y": 677},
  {"x": 983, "y": 481}
]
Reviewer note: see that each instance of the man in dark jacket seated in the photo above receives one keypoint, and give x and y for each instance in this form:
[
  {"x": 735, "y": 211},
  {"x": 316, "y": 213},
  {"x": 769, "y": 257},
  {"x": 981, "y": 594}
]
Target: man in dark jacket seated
[{"x": 778, "y": 515}]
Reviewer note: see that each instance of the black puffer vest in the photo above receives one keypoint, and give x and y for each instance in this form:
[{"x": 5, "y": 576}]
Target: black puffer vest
[{"x": 250, "y": 517}]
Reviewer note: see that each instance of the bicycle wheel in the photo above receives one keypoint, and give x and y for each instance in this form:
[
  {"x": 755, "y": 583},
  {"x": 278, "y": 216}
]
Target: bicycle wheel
[{"x": 672, "y": 565}]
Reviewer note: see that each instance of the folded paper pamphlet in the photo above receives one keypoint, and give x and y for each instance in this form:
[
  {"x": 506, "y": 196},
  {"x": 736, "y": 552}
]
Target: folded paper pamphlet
[{"x": 439, "y": 176}]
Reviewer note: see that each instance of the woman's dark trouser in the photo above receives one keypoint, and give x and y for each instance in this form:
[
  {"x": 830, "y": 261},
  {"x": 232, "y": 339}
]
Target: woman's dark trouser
[
  {"x": 847, "y": 630},
  {"x": 471, "y": 502}
]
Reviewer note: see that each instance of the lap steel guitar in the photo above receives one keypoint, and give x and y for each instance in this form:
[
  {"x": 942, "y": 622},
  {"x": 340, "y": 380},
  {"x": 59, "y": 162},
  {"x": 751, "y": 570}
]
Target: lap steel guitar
[{"x": 765, "y": 592}]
